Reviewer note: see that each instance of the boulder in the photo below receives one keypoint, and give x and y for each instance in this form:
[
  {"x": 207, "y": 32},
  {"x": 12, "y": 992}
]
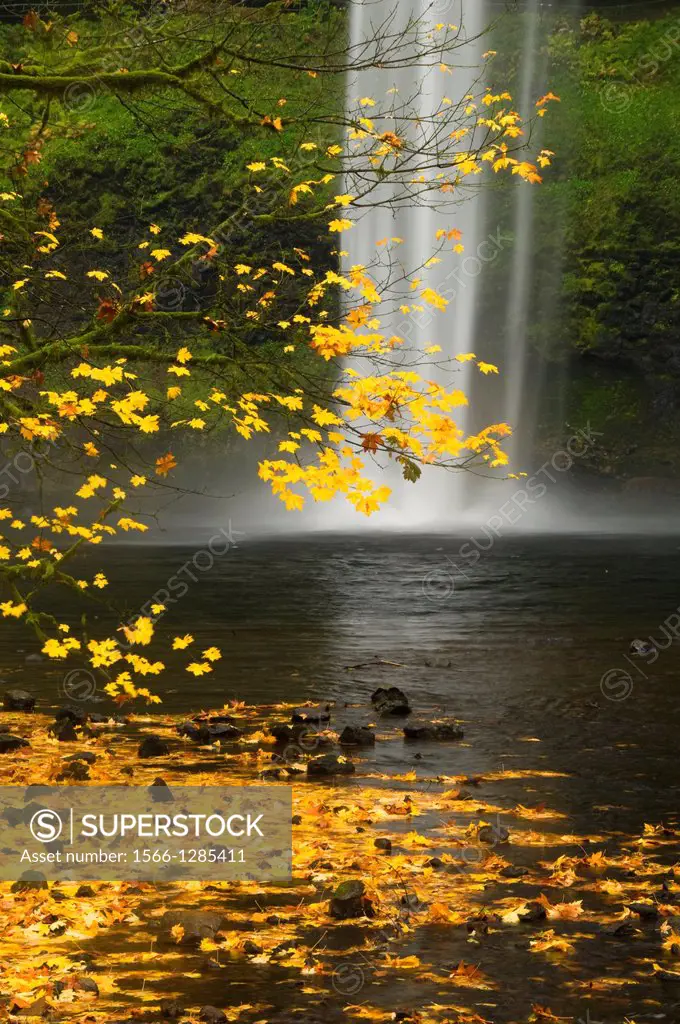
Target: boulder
[
  {"x": 327, "y": 765},
  {"x": 196, "y": 925},
  {"x": 447, "y": 729},
  {"x": 9, "y": 742},
  {"x": 170, "y": 1009},
  {"x": 357, "y": 736},
  {"x": 18, "y": 700},
  {"x": 383, "y": 843},
  {"x": 153, "y": 746},
  {"x": 84, "y": 755},
  {"x": 350, "y": 900},
  {"x": 65, "y": 730},
  {"x": 390, "y": 701}
]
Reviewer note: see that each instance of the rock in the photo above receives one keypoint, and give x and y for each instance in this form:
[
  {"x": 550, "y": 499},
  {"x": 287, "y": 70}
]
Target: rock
[
  {"x": 211, "y": 1015},
  {"x": 206, "y": 732},
  {"x": 196, "y": 925},
  {"x": 350, "y": 900},
  {"x": 251, "y": 948},
  {"x": 448, "y": 729},
  {"x": 75, "y": 771},
  {"x": 511, "y": 871},
  {"x": 160, "y": 792},
  {"x": 357, "y": 736},
  {"x": 65, "y": 730},
  {"x": 18, "y": 700},
  {"x": 29, "y": 880},
  {"x": 311, "y": 715},
  {"x": 383, "y": 844},
  {"x": 493, "y": 834},
  {"x": 390, "y": 701},
  {"x": 153, "y": 746},
  {"x": 435, "y": 862},
  {"x": 644, "y": 910},
  {"x": 327, "y": 765},
  {"x": 170, "y": 1009},
  {"x": 9, "y": 742},
  {"x": 534, "y": 911},
  {"x": 88, "y": 985},
  {"x": 85, "y": 892},
  {"x": 84, "y": 755},
  {"x": 296, "y": 819},
  {"x": 97, "y": 718},
  {"x": 75, "y": 715}
]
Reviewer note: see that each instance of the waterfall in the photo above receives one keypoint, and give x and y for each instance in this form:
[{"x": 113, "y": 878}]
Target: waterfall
[{"x": 439, "y": 497}]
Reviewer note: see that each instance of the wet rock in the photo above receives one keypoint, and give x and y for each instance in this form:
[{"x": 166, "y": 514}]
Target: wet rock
[
  {"x": 211, "y": 1015},
  {"x": 85, "y": 891},
  {"x": 327, "y": 765},
  {"x": 296, "y": 819},
  {"x": 170, "y": 1009},
  {"x": 10, "y": 742},
  {"x": 312, "y": 715},
  {"x": 644, "y": 910},
  {"x": 76, "y": 771},
  {"x": 357, "y": 736},
  {"x": 88, "y": 756},
  {"x": 390, "y": 701},
  {"x": 160, "y": 792},
  {"x": 97, "y": 718},
  {"x": 271, "y": 773},
  {"x": 492, "y": 834},
  {"x": 76, "y": 715},
  {"x": 435, "y": 862},
  {"x": 512, "y": 871},
  {"x": 251, "y": 948},
  {"x": 65, "y": 731},
  {"x": 619, "y": 929},
  {"x": 448, "y": 729},
  {"x": 534, "y": 911},
  {"x": 350, "y": 900},
  {"x": 196, "y": 925},
  {"x": 29, "y": 880},
  {"x": 153, "y": 746},
  {"x": 383, "y": 843},
  {"x": 206, "y": 732},
  {"x": 88, "y": 985},
  {"x": 18, "y": 700}
]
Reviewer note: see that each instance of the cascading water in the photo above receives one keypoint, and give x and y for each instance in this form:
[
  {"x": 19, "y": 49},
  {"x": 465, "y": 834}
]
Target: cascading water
[{"x": 419, "y": 90}]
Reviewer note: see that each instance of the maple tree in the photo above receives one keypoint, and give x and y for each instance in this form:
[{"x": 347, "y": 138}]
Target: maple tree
[{"x": 102, "y": 358}]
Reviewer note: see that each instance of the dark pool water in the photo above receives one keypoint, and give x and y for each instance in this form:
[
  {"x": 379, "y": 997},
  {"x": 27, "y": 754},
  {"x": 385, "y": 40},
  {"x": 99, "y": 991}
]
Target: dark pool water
[{"x": 529, "y": 647}]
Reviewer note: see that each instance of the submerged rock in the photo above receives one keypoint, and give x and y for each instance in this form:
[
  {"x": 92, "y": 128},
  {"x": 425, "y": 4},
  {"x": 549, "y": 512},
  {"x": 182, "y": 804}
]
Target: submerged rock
[
  {"x": 350, "y": 900},
  {"x": 170, "y": 1009},
  {"x": 10, "y": 742},
  {"x": 447, "y": 729},
  {"x": 75, "y": 771},
  {"x": 195, "y": 924},
  {"x": 18, "y": 700},
  {"x": 153, "y": 746},
  {"x": 329, "y": 764},
  {"x": 357, "y": 736},
  {"x": 84, "y": 755},
  {"x": 390, "y": 701},
  {"x": 493, "y": 834}
]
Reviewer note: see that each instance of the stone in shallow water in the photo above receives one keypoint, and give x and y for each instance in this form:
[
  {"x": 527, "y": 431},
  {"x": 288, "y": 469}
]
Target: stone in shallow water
[
  {"x": 211, "y": 1015},
  {"x": 350, "y": 900},
  {"x": 357, "y": 736},
  {"x": 390, "y": 701},
  {"x": 312, "y": 715},
  {"x": 207, "y": 732},
  {"x": 153, "y": 746},
  {"x": 448, "y": 729},
  {"x": 18, "y": 700},
  {"x": 493, "y": 834},
  {"x": 328, "y": 765},
  {"x": 196, "y": 925},
  {"x": 10, "y": 742}
]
